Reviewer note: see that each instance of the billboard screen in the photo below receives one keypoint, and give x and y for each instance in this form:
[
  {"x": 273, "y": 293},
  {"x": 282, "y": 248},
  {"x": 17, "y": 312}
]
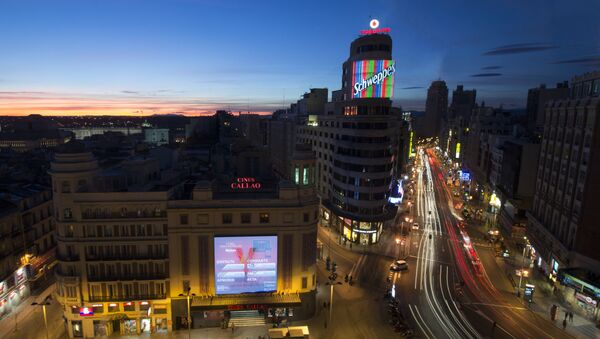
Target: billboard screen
[
  {"x": 245, "y": 264},
  {"x": 373, "y": 78}
]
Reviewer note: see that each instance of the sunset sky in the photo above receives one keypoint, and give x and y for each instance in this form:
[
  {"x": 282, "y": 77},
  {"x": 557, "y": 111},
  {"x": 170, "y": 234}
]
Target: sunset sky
[{"x": 141, "y": 57}]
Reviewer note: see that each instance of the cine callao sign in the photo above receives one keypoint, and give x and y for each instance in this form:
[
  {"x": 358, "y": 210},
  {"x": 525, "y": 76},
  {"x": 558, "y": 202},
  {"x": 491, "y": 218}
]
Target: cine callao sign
[
  {"x": 373, "y": 78},
  {"x": 245, "y": 183}
]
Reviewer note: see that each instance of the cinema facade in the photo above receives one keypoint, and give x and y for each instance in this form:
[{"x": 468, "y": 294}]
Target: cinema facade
[
  {"x": 128, "y": 257},
  {"x": 243, "y": 250}
]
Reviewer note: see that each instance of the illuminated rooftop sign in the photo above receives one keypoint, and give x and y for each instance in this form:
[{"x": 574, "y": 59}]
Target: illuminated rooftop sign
[
  {"x": 373, "y": 78},
  {"x": 374, "y": 24},
  {"x": 245, "y": 183}
]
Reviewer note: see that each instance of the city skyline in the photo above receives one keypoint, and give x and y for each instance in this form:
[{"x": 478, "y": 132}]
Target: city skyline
[{"x": 189, "y": 57}]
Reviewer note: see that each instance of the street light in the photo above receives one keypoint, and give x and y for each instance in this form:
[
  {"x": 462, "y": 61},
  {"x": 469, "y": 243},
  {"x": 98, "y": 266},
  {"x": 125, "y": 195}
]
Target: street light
[
  {"x": 187, "y": 295},
  {"x": 331, "y": 282},
  {"x": 522, "y": 271},
  {"x": 43, "y": 304},
  {"x": 398, "y": 248}
]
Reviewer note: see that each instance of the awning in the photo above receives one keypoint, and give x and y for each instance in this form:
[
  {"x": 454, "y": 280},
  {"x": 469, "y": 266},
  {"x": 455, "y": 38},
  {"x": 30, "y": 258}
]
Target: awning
[{"x": 220, "y": 302}]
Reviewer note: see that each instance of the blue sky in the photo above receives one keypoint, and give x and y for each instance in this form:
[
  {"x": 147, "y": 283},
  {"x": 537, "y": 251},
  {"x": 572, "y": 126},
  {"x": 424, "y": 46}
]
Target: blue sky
[{"x": 132, "y": 57}]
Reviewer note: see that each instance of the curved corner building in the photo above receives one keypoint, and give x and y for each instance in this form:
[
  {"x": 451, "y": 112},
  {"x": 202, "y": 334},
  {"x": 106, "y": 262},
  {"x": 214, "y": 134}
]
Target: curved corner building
[{"x": 356, "y": 143}]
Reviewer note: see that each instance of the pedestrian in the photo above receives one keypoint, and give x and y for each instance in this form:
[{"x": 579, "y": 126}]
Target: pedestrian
[
  {"x": 571, "y": 316},
  {"x": 565, "y": 324},
  {"x": 232, "y": 328},
  {"x": 566, "y": 315}
]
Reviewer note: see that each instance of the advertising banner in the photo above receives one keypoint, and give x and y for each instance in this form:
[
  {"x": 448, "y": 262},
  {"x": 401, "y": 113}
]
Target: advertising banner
[
  {"x": 245, "y": 264},
  {"x": 373, "y": 78}
]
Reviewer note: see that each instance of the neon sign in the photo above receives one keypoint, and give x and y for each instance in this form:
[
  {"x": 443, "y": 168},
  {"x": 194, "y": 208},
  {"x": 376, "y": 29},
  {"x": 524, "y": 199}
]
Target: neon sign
[
  {"x": 374, "y": 24},
  {"x": 373, "y": 78},
  {"x": 245, "y": 183}
]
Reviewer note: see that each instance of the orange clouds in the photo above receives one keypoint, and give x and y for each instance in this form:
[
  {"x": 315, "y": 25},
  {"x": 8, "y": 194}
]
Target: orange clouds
[{"x": 25, "y": 103}]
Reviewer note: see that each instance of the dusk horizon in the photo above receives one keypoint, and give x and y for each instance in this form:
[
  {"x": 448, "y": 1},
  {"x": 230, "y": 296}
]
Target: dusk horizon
[{"x": 191, "y": 58}]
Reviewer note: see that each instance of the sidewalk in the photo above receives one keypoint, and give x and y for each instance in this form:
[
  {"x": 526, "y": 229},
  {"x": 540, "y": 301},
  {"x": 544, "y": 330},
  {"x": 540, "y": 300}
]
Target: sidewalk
[
  {"x": 22, "y": 312},
  {"x": 543, "y": 298}
]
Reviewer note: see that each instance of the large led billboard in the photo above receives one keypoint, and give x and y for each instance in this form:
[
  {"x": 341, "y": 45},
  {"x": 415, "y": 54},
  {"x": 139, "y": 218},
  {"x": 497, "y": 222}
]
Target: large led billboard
[
  {"x": 373, "y": 78},
  {"x": 245, "y": 264}
]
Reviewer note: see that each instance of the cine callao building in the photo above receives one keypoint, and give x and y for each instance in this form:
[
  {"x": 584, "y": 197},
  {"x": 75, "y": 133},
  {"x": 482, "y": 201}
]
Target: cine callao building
[
  {"x": 136, "y": 244},
  {"x": 356, "y": 142}
]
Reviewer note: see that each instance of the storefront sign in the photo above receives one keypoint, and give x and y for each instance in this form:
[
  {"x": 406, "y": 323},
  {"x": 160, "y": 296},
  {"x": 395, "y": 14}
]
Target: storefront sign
[
  {"x": 356, "y": 230},
  {"x": 584, "y": 298},
  {"x": 245, "y": 183},
  {"x": 86, "y": 312},
  {"x": 246, "y": 307}
]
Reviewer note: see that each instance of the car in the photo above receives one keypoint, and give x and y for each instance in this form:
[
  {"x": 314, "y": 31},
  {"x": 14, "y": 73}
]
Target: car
[
  {"x": 415, "y": 226},
  {"x": 399, "y": 265}
]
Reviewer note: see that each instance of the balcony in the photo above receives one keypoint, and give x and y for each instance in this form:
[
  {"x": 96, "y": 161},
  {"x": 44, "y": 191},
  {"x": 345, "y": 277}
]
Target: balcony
[
  {"x": 67, "y": 257},
  {"x": 141, "y": 297},
  {"x": 128, "y": 277},
  {"x": 125, "y": 257},
  {"x": 123, "y": 215}
]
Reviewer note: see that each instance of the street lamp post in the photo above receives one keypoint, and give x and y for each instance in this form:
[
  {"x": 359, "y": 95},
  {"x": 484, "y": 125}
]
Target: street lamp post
[
  {"x": 522, "y": 270},
  {"x": 397, "y": 248},
  {"x": 188, "y": 295},
  {"x": 43, "y": 304}
]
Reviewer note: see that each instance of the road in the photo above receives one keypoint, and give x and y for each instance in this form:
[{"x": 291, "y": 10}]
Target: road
[
  {"x": 30, "y": 321},
  {"x": 452, "y": 295}
]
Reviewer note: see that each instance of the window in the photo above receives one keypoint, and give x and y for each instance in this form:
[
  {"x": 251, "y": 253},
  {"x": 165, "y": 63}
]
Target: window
[
  {"x": 144, "y": 305},
  {"x": 246, "y": 218},
  {"x": 202, "y": 219},
  {"x": 305, "y": 217},
  {"x": 264, "y": 218},
  {"x": 128, "y": 307},
  {"x": 98, "y": 308},
  {"x": 69, "y": 231},
  {"x": 113, "y": 307},
  {"x": 183, "y": 219},
  {"x": 297, "y": 175},
  {"x": 67, "y": 213},
  {"x": 227, "y": 218},
  {"x": 305, "y": 176},
  {"x": 66, "y": 187},
  {"x": 304, "y": 282}
]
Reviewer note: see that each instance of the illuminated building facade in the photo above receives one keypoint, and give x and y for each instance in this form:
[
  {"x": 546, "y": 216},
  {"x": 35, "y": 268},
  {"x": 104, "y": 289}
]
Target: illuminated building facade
[
  {"x": 248, "y": 248},
  {"x": 132, "y": 238},
  {"x": 112, "y": 272},
  {"x": 356, "y": 143},
  {"x": 26, "y": 241}
]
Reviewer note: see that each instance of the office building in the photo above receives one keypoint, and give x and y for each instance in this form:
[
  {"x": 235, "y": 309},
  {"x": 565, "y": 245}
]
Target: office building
[
  {"x": 156, "y": 136},
  {"x": 455, "y": 126},
  {"x": 537, "y": 98},
  {"x": 563, "y": 224},
  {"x": 436, "y": 108},
  {"x": 356, "y": 143}
]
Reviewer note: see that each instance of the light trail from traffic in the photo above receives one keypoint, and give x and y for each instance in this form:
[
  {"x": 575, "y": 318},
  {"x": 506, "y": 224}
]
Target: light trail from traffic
[
  {"x": 474, "y": 275},
  {"x": 437, "y": 294}
]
